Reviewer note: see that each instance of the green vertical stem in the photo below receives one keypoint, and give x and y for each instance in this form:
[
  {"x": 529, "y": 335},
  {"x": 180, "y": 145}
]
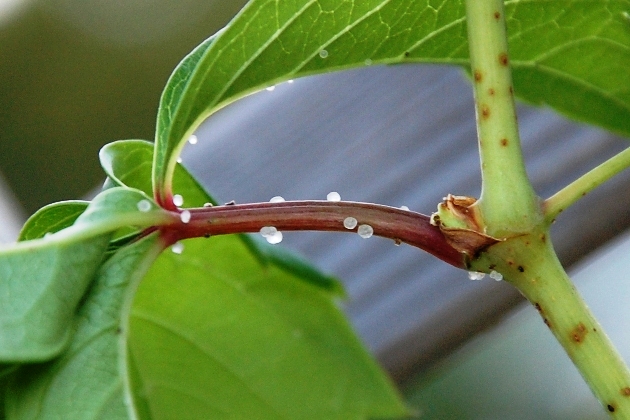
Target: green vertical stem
[
  {"x": 510, "y": 210},
  {"x": 508, "y": 203},
  {"x": 529, "y": 263}
]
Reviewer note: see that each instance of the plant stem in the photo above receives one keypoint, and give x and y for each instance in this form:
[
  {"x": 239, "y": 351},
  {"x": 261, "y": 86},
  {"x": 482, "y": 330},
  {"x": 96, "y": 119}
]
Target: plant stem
[
  {"x": 399, "y": 225},
  {"x": 529, "y": 263},
  {"x": 564, "y": 198},
  {"x": 510, "y": 210},
  {"x": 508, "y": 203}
]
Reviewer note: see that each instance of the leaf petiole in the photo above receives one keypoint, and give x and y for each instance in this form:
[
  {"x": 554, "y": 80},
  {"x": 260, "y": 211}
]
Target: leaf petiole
[
  {"x": 397, "y": 224},
  {"x": 564, "y": 198}
]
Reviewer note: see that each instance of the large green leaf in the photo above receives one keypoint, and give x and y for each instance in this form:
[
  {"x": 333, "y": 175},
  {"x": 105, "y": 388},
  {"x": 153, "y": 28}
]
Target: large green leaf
[
  {"x": 43, "y": 280},
  {"x": 570, "y": 54},
  {"x": 86, "y": 383},
  {"x": 214, "y": 335}
]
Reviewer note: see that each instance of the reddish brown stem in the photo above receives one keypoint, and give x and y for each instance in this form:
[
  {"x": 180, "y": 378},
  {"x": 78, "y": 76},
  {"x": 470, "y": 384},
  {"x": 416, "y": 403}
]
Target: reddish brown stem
[{"x": 399, "y": 225}]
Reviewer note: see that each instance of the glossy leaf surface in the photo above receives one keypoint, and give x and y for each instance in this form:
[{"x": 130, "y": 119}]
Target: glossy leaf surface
[
  {"x": 43, "y": 280},
  {"x": 571, "y": 55},
  {"x": 86, "y": 383},
  {"x": 214, "y": 334}
]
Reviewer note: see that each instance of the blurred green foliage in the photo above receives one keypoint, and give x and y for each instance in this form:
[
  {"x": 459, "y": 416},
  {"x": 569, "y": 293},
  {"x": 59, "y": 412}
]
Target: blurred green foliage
[{"x": 66, "y": 90}]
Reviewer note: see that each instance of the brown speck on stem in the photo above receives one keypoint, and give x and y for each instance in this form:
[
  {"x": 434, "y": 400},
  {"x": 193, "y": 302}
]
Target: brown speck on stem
[
  {"x": 625, "y": 391},
  {"x": 579, "y": 333},
  {"x": 497, "y": 15},
  {"x": 547, "y": 323},
  {"x": 491, "y": 92},
  {"x": 521, "y": 269},
  {"x": 407, "y": 53},
  {"x": 511, "y": 90},
  {"x": 611, "y": 408},
  {"x": 504, "y": 142},
  {"x": 503, "y": 59},
  {"x": 538, "y": 307},
  {"x": 543, "y": 238},
  {"x": 485, "y": 111},
  {"x": 478, "y": 76}
]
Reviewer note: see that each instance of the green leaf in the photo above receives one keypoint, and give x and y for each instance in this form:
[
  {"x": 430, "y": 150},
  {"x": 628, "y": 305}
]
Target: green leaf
[
  {"x": 41, "y": 284},
  {"x": 213, "y": 334},
  {"x": 86, "y": 383},
  {"x": 42, "y": 281},
  {"x": 572, "y": 55},
  {"x": 52, "y": 218},
  {"x": 128, "y": 163}
]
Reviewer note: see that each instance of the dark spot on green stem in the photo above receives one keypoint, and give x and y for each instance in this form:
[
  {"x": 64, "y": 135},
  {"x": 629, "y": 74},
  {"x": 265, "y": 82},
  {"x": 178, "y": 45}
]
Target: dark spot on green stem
[
  {"x": 625, "y": 391},
  {"x": 579, "y": 333},
  {"x": 538, "y": 307},
  {"x": 520, "y": 269},
  {"x": 485, "y": 111},
  {"x": 503, "y": 59},
  {"x": 611, "y": 408},
  {"x": 407, "y": 53},
  {"x": 206, "y": 235},
  {"x": 497, "y": 15},
  {"x": 511, "y": 90},
  {"x": 547, "y": 323},
  {"x": 491, "y": 92},
  {"x": 478, "y": 76},
  {"x": 543, "y": 238},
  {"x": 504, "y": 142}
]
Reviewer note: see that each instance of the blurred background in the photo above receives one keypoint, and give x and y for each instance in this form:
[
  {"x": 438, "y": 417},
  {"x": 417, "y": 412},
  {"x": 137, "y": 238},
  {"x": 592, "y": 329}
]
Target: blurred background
[{"x": 76, "y": 74}]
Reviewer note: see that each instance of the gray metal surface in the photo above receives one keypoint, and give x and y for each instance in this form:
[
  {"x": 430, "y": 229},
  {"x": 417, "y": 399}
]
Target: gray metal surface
[{"x": 401, "y": 135}]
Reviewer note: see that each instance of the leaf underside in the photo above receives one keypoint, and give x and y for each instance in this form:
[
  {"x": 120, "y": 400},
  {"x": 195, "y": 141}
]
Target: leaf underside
[{"x": 571, "y": 55}]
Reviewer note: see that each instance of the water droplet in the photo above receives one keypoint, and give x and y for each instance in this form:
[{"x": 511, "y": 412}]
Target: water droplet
[
  {"x": 495, "y": 275},
  {"x": 276, "y": 199},
  {"x": 404, "y": 208},
  {"x": 178, "y": 200},
  {"x": 207, "y": 204},
  {"x": 267, "y": 231},
  {"x": 290, "y": 81},
  {"x": 365, "y": 231},
  {"x": 177, "y": 248},
  {"x": 368, "y": 62},
  {"x": 333, "y": 196},
  {"x": 475, "y": 275},
  {"x": 193, "y": 139},
  {"x": 276, "y": 238},
  {"x": 270, "y": 88},
  {"x": 47, "y": 234},
  {"x": 323, "y": 53},
  {"x": 349, "y": 222},
  {"x": 185, "y": 216},
  {"x": 144, "y": 205},
  {"x": 179, "y": 160}
]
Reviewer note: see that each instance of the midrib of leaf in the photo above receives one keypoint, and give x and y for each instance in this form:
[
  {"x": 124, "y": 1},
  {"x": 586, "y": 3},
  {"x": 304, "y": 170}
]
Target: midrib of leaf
[{"x": 177, "y": 331}]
